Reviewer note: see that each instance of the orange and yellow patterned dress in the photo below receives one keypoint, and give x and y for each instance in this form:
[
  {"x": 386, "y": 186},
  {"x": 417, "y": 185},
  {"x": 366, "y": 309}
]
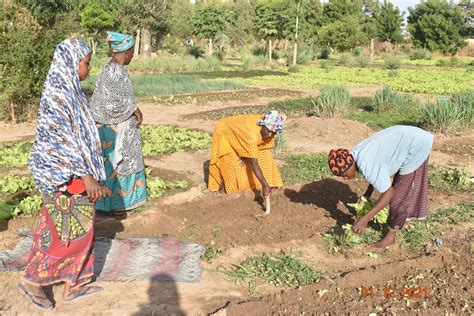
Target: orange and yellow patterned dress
[{"x": 235, "y": 137}]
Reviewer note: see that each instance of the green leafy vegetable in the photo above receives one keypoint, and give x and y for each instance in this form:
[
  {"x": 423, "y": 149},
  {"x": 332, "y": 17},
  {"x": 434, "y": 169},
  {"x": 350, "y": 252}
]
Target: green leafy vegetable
[{"x": 364, "y": 206}]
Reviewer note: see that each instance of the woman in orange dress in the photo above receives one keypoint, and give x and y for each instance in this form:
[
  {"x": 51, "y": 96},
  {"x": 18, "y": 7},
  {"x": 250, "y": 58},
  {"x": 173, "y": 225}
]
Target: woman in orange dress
[{"x": 241, "y": 153}]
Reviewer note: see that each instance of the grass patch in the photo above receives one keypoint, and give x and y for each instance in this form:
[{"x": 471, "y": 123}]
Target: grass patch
[
  {"x": 280, "y": 270},
  {"x": 383, "y": 120},
  {"x": 225, "y": 96},
  {"x": 305, "y": 168},
  {"x": 157, "y": 187},
  {"x": 161, "y": 139},
  {"x": 15, "y": 154},
  {"x": 151, "y": 85}
]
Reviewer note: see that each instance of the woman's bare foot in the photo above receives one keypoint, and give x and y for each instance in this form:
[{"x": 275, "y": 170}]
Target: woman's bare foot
[{"x": 388, "y": 240}]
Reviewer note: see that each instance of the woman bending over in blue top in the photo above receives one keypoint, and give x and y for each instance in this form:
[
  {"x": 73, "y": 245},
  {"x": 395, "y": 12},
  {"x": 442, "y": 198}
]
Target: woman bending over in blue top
[{"x": 398, "y": 151}]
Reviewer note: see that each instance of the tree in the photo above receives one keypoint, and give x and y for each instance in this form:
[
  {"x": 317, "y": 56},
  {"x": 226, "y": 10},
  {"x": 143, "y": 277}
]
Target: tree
[
  {"x": 437, "y": 25},
  {"x": 150, "y": 17},
  {"x": 390, "y": 22},
  {"x": 338, "y": 10},
  {"x": 45, "y": 12},
  {"x": 208, "y": 22},
  {"x": 27, "y": 50},
  {"x": 270, "y": 23},
  {"x": 95, "y": 20},
  {"x": 181, "y": 12},
  {"x": 342, "y": 35},
  {"x": 467, "y": 9},
  {"x": 242, "y": 12}
]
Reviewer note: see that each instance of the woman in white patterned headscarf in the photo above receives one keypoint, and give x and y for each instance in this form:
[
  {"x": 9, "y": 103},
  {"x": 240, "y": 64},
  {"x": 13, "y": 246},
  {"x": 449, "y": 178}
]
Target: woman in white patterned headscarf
[
  {"x": 66, "y": 164},
  {"x": 118, "y": 119}
]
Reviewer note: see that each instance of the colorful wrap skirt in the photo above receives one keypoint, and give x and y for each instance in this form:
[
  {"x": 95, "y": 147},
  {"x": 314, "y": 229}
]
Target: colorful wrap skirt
[
  {"x": 63, "y": 240},
  {"x": 122, "y": 193}
]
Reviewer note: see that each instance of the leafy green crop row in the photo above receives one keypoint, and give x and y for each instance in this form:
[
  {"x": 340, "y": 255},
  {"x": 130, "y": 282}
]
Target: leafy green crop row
[{"x": 424, "y": 80}]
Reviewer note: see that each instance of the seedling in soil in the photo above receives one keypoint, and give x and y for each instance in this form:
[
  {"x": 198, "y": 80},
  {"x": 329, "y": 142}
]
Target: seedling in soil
[{"x": 212, "y": 253}]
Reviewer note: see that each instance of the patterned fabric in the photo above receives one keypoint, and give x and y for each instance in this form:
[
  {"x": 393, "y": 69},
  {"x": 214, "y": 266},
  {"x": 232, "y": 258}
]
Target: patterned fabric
[
  {"x": 273, "y": 120},
  {"x": 67, "y": 142},
  {"x": 340, "y": 160},
  {"x": 62, "y": 245},
  {"x": 122, "y": 192},
  {"x": 235, "y": 137},
  {"x": 120, "y": 42},
  {"x": 411, "y": 197},
  {"x": 113, "y": 103}
]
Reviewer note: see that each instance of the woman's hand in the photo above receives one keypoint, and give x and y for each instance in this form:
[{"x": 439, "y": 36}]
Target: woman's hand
[
  {"x": 138, "y": 114},
  {"x": 360, "y": 225},
  {"x": 266, "y": 191},
  {"x": 92, "y": 188}
]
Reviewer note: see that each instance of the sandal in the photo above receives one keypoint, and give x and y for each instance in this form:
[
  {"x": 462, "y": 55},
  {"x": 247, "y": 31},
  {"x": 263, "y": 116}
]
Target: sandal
[
  {"x": 83, "y": 292},
  {"x": 35, "y": 299}
]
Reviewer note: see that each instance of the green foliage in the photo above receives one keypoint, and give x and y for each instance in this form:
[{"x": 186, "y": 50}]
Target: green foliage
[
  {"x": 212, "y": 253},
  {"x": 450, "y": 179},
  {"x": 333, "y": 101},
  {"x": 27, "y": 51},
  {"x": 14, "y": 184},
  {"x": 340, "y": 238},
  {"x": 269, "y": 20},
  {"x": 209, "y": 21},
  {"x": 281, "y": 143},
  {"x": 161, "y": 139},
  {"x": 389, "y": 23},
  {"x": 196, "y": 52},
  {"x": 294, "y": 68},
  {"x": 465, "y": 102},
  {"x": 453, "y": 215},
  {"x": 342, "y": 35},
  {"x": 419, "y": 54},
  {"x": 6, "y": 209},
  {"x": 280, "y": 270},
  {"x": 387, "y": 100},
  {"x": 392, "y": 62},
  {"x": 437, "y": 25},
  {"x": 378, "y": 120},
  {"x": 157, "y": 187},
  {"x": 362, "y": 60},
  {"x": 46, "y": 12},
  {"x": 152, "y": 85},
  {"x": 252, "y": 62},
  {"x": 345, "y": 59},
  {"x": 365, "y": 206},
  {"x": 15, "y": 154},
  {"x": 303, "y": 168},
  {"x": 181, "y": 12},
  {"x": 95, "y": 19},
  {"x": 443, "y": 116},
  {"x": 325, "y": 52},
  {"x": 29, "y": 206}
]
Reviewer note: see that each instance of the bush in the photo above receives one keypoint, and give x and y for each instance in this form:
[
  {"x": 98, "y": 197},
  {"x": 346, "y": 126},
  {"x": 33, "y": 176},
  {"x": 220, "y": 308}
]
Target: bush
[
  {"x": 442, "y": 116},
  {"x": 324, "y": 53},
  {"x": 362, "y": 60},
  {"x": 441, "y": 63},
  {"x": 420, "y": 53},
  {"x": 252, "y": 61},
  {"x": 259, "y": 51},
  {"x": 196, "y": 52},
  {"x": 27, "y": 51},
  {"x": 358, "y": 51},
  {"x": 387, "y": 100},
  {"x": 333, "y": 101},
  {"x": 465, "y": 102},
  {"x": 304, "y": 58},
  {"x": 392, "y": 62},
  {"x": 326, "y": 65},
  {"x": 345, "y": 59},
  {"x": 294, "y": 68}
]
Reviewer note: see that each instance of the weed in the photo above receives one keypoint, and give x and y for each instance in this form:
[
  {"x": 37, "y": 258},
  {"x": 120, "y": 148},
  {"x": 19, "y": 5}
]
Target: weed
[
  {"x": 280, "y": 270},
  {"x": 362, "y": 61},
  {"x": 302, "y": 168},
  {"x": 392, "y": 62},
  {"x": 345, "y": 59},
  {"x": 212, "y": 253},
  {"x": 420, "y": 53}
]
